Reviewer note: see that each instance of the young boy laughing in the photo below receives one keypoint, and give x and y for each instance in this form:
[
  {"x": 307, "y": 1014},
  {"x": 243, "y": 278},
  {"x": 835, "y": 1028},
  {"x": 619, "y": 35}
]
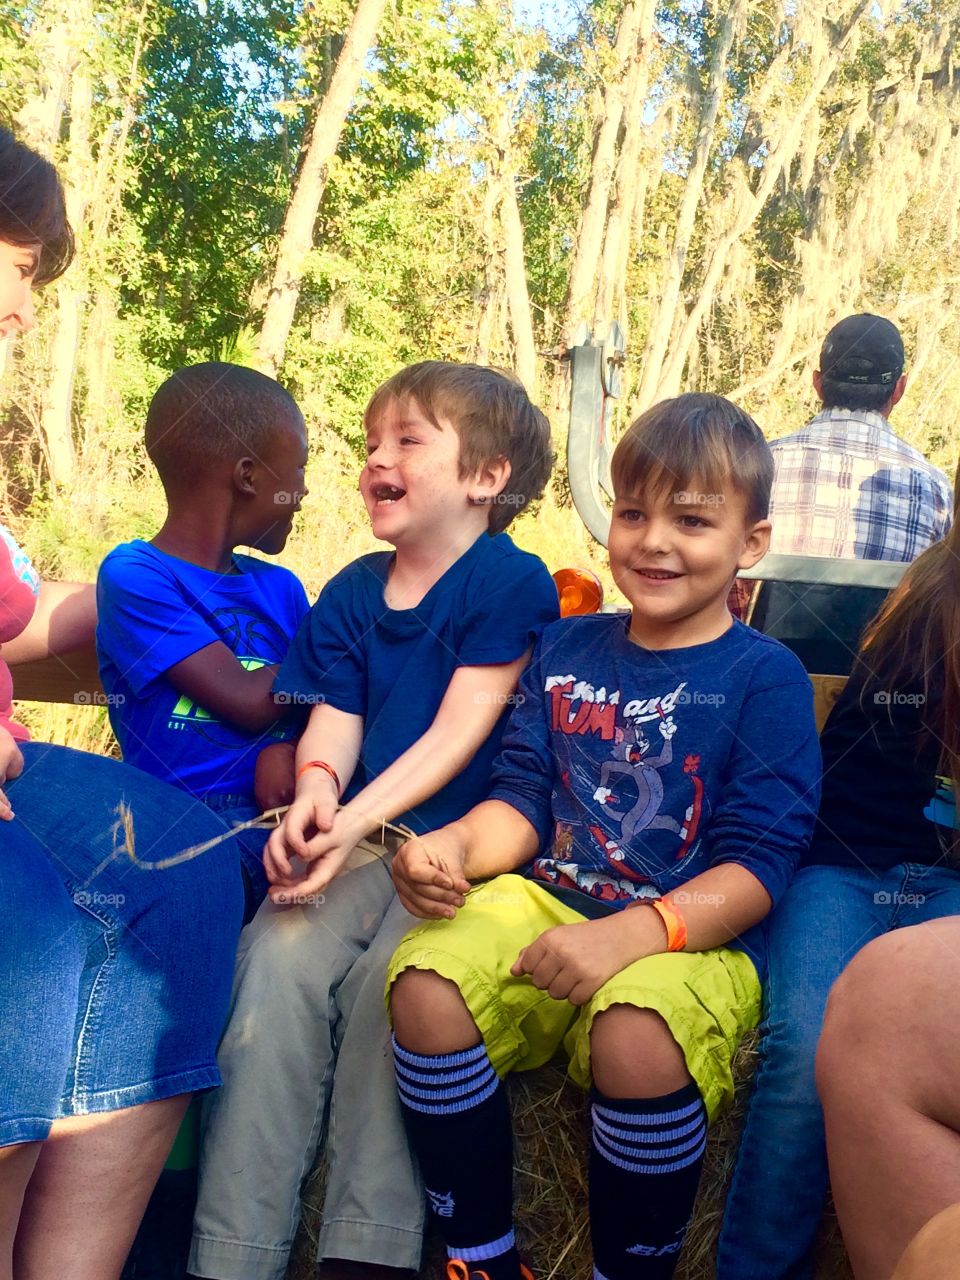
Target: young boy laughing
[
  {"x": 646, "y": 765},
  {"x": 411, "y": 658}
]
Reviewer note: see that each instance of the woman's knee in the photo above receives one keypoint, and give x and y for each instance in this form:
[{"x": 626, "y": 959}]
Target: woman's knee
[{"x": 429, "y": 1014}]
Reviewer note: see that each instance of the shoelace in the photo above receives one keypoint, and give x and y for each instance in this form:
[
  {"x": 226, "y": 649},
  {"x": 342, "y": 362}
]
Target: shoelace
[{"x": 458, "y": 1270}]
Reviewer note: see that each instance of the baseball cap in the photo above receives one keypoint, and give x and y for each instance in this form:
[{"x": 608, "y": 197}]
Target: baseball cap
[{"x": 864, "y": 351}]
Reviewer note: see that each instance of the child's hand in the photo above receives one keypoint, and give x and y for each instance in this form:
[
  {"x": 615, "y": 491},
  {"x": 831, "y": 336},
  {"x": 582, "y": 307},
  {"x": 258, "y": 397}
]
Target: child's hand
[
  {"x": 428, "y": 875},
  {"x": 573, "y": 961},
  {"x": 274, "y": 779},
  {"x": 325, "y": 853},
  {"x": 11, "y": 766},
  {"x": 309, "y": 819}
]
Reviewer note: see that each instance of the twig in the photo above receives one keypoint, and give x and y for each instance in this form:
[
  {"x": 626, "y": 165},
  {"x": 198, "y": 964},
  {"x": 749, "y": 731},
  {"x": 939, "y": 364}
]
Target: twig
[{"x": 265, "y": 821}]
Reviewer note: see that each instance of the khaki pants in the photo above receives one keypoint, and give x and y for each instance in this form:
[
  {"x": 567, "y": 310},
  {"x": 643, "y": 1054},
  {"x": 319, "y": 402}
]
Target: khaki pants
[{"x": 306, "y": 1057}]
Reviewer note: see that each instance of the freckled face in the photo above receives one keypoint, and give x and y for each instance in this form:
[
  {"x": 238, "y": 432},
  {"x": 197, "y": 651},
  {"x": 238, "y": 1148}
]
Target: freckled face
[{"x": 411, "y": 484}]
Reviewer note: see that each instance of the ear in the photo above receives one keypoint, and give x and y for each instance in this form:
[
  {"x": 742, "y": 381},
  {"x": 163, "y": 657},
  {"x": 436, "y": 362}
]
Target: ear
[
  {"x": 244, "y": 476},
  {"x": 756, "y": 544},
  {"x": 489, "y": 480},
  {"x": 818, "y": 383},
  {"x": 898, "y": 391}
]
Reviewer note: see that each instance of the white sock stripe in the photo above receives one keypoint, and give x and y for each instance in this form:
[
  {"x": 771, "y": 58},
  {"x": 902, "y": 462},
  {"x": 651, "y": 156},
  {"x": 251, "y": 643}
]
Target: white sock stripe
[
  {"x": 632, "y": 1166},
  {"x": 480, "y": 1252},
  {"x": 449, "y": 1108},
  {"x": 439, "y": 1060},
  {"x": 647, "y": 1136},
  {"x": 657, "y": 1118},
  {"x": 405, "y": 1076},
  {"x": 647, "y": 1152}
]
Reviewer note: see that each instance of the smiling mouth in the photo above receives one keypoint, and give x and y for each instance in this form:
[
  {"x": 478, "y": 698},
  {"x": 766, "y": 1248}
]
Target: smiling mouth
[
  {"x": 386, "y": 494},
  {"x": 658, "y": 575}
]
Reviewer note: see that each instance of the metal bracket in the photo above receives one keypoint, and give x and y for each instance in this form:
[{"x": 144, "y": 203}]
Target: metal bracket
[{"x": 595, "y": 383}]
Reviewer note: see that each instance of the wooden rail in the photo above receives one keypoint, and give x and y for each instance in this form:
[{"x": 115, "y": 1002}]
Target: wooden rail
[
  {"x": 70, "y": 677},
  {"x": 73, "y": 679}
]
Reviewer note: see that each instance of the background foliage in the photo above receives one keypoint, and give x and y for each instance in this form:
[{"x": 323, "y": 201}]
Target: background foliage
[{"x": 726, "y": 180}]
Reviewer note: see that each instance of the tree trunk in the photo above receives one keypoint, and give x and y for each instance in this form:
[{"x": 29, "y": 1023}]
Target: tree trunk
[
  {"x": 663, "y": 319},
  {"x": 114, "y": 145},
  {"x": 492, "y": 275},
  {"x": 296, "y": 239},
  {"x": 56, "y": 419},
  {"x": 628, "y": 191},
  {"x": 52, "y": 41},
  {"x": 518, "y": 297},
  {"x": 579, "y": 303}
]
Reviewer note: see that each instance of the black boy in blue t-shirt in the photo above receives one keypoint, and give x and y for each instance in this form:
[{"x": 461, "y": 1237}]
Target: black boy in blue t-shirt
[
  {"x": 412, "y": 660},
  {"x": 190, "y": 634}
]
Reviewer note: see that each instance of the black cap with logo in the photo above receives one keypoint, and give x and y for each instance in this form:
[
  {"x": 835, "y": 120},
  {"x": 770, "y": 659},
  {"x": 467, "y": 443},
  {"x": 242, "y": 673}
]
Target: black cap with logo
[{"x": 863, "y": 351}]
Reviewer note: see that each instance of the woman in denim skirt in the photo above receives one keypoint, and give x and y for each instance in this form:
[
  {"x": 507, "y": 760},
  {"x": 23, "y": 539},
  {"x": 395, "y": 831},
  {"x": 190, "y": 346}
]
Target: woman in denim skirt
[{"x": 114, "y": 979}]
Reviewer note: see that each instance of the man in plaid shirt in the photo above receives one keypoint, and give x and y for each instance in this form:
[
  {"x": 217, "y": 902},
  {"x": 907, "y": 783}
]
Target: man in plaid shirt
[{"x": 845, "y": 485}]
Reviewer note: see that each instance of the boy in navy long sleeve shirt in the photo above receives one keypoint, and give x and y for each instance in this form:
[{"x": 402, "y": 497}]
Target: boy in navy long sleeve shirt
[{"x": 665, "y": 760}]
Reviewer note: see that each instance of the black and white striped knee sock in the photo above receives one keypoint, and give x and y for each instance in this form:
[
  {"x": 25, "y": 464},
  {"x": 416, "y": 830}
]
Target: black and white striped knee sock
[
  {"x": 645, "y": 1162},
  {"x": 458, "y": 1118}
]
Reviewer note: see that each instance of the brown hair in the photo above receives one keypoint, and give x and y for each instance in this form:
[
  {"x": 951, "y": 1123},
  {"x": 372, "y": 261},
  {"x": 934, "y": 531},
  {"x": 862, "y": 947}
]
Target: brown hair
[
  {"x": 693, "y": 440},
  {"x": 913, "y": 641},
  {"x": 494, "y": 418},
  {"x": 32, "y": 208}
]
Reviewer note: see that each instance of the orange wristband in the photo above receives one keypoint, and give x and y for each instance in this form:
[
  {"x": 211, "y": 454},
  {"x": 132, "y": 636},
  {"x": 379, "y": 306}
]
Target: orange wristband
[
  {"x": 327, "y": 768},
  {"x": 673, "y": 921}
]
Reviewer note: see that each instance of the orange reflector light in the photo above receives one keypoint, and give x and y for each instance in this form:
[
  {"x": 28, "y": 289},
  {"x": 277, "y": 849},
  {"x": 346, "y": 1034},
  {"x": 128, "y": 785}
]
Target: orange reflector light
[{"x": 580, "y": 591}]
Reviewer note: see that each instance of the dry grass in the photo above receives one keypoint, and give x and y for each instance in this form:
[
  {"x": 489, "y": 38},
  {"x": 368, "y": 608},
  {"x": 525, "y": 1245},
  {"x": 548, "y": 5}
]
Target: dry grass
[{"x": 550, "y": 1190}]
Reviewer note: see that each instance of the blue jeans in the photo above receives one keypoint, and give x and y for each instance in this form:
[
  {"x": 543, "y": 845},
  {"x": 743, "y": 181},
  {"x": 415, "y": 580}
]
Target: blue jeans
[
  {"x": 779, "y": 1183},
  {"x": 114, "y": 980}
]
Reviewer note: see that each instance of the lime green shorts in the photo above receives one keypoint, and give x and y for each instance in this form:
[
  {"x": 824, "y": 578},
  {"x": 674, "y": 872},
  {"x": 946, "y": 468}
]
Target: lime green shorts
[{"x": 708, "y": 999}]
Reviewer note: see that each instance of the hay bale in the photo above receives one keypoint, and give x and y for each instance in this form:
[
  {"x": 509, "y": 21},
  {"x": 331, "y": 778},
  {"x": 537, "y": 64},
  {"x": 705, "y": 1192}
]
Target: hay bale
[{"x": 550, "y": 1188}]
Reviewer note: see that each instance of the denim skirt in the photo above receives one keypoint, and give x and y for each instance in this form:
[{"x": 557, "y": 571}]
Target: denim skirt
[{"x": 114, "y": 979}]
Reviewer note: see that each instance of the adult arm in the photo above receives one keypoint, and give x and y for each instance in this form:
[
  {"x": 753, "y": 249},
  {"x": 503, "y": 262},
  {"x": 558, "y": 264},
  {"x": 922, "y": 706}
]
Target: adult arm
[
  {"x": 19, "y": 587},
  {"x": 64, "y": 621}
]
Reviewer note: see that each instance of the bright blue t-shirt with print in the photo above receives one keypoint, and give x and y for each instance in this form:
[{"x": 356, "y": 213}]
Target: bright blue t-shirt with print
[
  {"x": 393, "y": 666},
  {"x": 154, "y": 611}
]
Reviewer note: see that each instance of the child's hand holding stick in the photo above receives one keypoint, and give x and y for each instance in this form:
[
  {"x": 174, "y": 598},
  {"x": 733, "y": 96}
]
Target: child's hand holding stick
[
  {"x": 428, "y": 874},
  {"x": 305, "y": 823}
]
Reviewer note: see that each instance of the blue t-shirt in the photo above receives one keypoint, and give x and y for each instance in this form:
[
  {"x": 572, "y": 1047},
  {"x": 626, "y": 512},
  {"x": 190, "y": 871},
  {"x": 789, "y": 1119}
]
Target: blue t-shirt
[
  {"x": 153, "y": 611},
  {"x": 641, "y": 769},
  {"x": 393, "y": 666}
]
